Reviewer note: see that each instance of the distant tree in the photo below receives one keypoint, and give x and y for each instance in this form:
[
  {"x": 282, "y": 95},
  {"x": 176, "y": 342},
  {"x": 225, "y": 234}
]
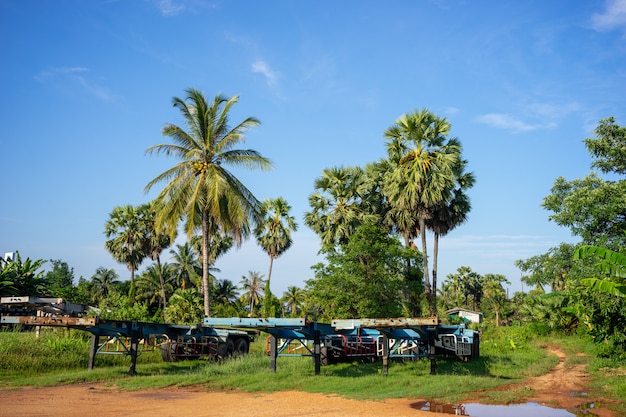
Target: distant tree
[
  {"x": 293, "y": 300},
  {"x": 126, "y": 234},
  {"x": 273, "y": 234},
  {"x": 185, "y": 307},
  {"x": 155, "y": 282},
  {"x": 104, "y": 281},
  {"x": 225, "y": 292},
  {"x": 201, "y": 187},
  {"x": 495, "y": 297},
  {"x": 61, "y": 280},
  {"x": 187, "y": 266},
  {"x": 252, "y": 286}
]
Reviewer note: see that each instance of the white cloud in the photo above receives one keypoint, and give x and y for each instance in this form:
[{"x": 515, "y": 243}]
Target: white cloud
[
  {"x": 70, "y": 77},
  {"x": 504, "y": 121},
  {"x": 614, "y": 16},
  {"x": 261, "y": 67},
  {"x": 171, "y": 7}
]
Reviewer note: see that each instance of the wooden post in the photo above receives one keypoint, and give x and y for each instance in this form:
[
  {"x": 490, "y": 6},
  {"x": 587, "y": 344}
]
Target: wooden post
[
  {"x": 93, "y": 349},
  {"x": 273, "y": 354},
  {"x": 316, "y": 351}
]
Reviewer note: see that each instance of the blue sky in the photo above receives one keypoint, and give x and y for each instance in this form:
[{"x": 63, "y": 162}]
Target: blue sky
[{"x": 87, "y": 86}]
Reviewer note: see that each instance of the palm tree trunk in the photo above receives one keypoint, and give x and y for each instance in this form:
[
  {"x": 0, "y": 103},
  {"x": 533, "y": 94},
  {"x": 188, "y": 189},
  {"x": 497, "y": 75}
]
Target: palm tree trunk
[
  {"x": 433, "y": 304},
  {"x": 158, "y": 259},
  {"x": 205, "y": 263},
  {"x": 427, "y": 288}
]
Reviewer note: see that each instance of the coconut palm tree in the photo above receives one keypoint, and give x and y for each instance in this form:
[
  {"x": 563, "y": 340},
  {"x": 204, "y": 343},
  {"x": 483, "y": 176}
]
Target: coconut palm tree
[
  {"x": 187, "y": 266},
  {"x": 104, "y": 281},
  {"x": 422, "y": 176},
  {"x": 273, "y": 232},
  {"x": 225, "y": 292},
  {"x": 252, "y": 286},
  {"x": 293, "y": 300},
  {"x": 200, "y": 189},
  {"x": 155, "y": 283}
]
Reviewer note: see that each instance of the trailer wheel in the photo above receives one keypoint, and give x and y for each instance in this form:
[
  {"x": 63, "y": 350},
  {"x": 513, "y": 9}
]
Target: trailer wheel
[
  {"x": 168, "y": 350},
  {"x": 325, "y": 356},
  {"x": 226, "y": 349},
  {"x": 241, "y": 347}
]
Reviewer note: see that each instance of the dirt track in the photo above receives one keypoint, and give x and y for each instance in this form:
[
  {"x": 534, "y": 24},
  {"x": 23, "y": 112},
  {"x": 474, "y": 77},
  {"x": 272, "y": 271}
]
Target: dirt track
[{"x": 557, "y": 388}]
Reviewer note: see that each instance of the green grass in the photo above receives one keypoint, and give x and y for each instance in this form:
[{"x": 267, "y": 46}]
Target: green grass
[{"x": 60, "y": 357}]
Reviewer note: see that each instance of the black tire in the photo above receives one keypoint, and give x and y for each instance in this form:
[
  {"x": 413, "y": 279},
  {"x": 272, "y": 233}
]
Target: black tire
[
  {"x": 325, "y": 356},
  {"x": 241, "y": 347},
  {"x": 168, "y": 350},
  {"x": 226, "y": 350}
]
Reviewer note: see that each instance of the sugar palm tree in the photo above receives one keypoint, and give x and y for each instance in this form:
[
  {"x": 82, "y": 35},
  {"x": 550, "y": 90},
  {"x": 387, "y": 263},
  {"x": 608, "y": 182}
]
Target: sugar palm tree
[
  {"x": 423, "y": 173},
  {"x": 200, "y": 189},
  {"x": 448, "y": 215},
  {"x": 157, "y": 240},
  {"x": 126, "y": 234},
  {"x": 273, "y": 232},
  {"x": 337, "y": 208}
]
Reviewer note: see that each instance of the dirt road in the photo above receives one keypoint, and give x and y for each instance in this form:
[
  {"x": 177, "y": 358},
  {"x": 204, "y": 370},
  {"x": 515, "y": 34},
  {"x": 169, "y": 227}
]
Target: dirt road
[{"x": 558, "y": 388}]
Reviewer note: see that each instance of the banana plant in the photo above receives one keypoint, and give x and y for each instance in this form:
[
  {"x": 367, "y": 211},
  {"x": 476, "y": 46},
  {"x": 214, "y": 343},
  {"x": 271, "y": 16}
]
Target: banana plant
[{"x": 610, "y": 263}]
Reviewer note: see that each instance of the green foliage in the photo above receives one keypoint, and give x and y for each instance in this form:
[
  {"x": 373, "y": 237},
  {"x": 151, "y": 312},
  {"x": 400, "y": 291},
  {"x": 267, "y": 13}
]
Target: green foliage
[
  {"x": 118, "y": 307},
  {"x": 21, "y": 278},
  {"x": 60, "y": 280},
  {"x": 364, "y": 278},
  {"x": 185, "y": 307}
]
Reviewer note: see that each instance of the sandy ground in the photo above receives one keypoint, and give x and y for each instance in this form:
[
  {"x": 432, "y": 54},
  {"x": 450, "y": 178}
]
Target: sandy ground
[{"x": 560, "y": 388}]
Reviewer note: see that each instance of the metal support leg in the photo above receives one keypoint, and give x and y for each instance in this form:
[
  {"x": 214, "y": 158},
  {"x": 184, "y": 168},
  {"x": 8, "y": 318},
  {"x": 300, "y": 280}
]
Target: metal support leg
[
  {"x": 134, "y": 342},
  {"x": 385, "y": 342},
  {"x": 93, "y": 349},
  {"x": 317, "y": 351},
  {"x": 273, "y": 354},
  {"x": 432, "y": 352}
]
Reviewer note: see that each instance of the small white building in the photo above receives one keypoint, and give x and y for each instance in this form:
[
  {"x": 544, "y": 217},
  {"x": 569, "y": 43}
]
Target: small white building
[{"x": 469, "y": 315}]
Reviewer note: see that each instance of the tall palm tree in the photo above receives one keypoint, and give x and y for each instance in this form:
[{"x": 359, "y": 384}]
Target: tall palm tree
[
  {"x": 157, "y": 240},
  {"x": 448, "y": 215},
  {"x": 423, "y": 174},
  {"x": 126, "y": 234},
  {"x": 273, "y": 232},
  {"x": 200, "y": 188},
  {"x": 187, "y": 266},
  {"x": 252, "y": 286}
]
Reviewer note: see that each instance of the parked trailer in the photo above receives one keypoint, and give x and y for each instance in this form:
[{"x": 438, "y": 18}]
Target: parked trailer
[
  {"x": 359, "y": 338},
  {"x": 176, "y": 341}
]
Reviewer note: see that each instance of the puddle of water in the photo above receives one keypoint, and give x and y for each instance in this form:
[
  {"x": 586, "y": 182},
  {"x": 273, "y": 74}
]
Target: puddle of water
[{"x": 485, "y": 410}]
